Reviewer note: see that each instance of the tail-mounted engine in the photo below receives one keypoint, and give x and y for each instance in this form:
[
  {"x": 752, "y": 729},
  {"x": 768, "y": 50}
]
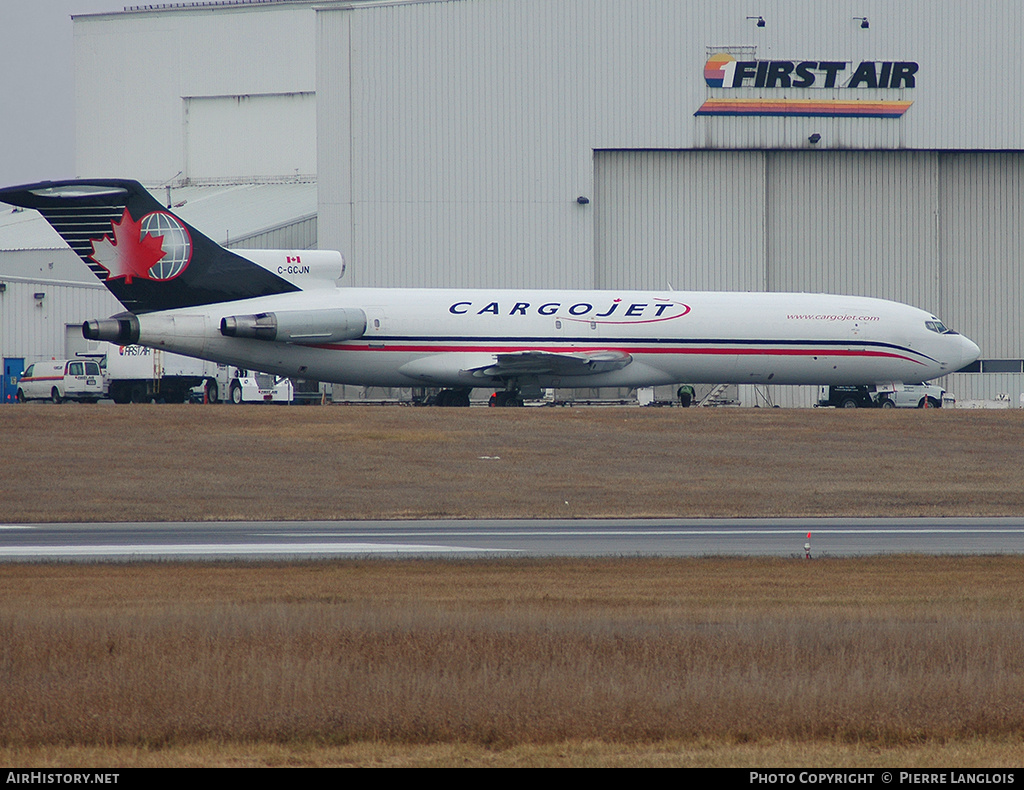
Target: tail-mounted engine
[{"x": 295, "y": 326}]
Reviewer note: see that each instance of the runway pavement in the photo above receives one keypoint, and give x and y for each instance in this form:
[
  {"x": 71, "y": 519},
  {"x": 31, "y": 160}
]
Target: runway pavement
[{"x": 830, "y": 537}]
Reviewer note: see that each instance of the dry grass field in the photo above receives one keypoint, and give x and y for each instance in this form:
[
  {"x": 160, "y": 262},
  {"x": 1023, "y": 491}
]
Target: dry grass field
[
  {"x": 151, "y": 463},
  {"x": 881, "y": 661},
  {"x": 908, "y": 661}
]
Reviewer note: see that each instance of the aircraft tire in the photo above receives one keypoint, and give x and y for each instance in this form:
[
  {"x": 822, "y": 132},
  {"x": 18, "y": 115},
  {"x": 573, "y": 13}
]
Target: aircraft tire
[
  {"x": 507, "y": 398},
  {"x": 452, "y": 398}
]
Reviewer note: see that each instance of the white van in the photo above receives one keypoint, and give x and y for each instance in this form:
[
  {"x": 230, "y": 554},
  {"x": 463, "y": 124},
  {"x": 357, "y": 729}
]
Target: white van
[{"x": 62, "y": 379}]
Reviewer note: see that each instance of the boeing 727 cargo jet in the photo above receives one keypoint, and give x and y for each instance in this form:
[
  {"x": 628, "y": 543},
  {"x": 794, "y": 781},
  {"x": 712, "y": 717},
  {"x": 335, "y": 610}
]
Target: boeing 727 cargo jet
[{"x": 282, "y": 312}]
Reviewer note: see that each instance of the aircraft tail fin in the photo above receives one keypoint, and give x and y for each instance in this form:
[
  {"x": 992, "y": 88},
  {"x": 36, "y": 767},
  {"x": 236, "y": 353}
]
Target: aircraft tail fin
[{"x": 146, "y": 256}]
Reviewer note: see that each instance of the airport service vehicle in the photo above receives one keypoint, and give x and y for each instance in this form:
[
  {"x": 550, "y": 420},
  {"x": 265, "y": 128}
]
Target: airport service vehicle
[
  {"x": 60, "y": 380},
  {"x": 913, "y": 396},
  {"x": 284, "y": 313},
  {"x": 138, "y": 374},
  {"x": 908, "y": 396},
  {"x": 236, "y": 385}
]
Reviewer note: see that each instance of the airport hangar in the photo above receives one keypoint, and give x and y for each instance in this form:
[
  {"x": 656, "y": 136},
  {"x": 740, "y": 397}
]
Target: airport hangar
[{"x": 855, "y": 147}]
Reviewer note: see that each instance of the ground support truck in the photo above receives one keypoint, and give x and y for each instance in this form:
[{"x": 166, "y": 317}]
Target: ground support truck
[
  {"x": 136, "y": 374},
  {"x": 236, "y": 385},
  {"x": 906, "y": 396}
]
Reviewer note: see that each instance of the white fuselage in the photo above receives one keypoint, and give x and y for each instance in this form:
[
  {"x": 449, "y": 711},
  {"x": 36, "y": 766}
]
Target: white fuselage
[{"x": 436, "y": 337}]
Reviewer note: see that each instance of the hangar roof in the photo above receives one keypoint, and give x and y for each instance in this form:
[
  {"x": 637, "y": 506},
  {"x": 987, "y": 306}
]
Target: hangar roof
[
  {"x": 23, "y": 229},
  {"x": 230, "y": 213},
  {"x": 208, "y": 5}
]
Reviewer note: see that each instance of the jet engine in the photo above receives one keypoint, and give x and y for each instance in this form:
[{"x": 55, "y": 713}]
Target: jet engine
[{"x": 298, "y": 326}]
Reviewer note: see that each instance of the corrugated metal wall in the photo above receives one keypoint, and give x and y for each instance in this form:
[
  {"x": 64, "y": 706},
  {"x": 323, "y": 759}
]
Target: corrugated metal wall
[
  {"x": 301, "y": 235},
  {"x": 982, "y": 248},
  {"x": 692, "y": 219},
  {"x": 443, "y": 166},
  {"x": 937, "y": 230},
  {"x": 855, "y": 223},
  {"x": 34, "y": 328}
]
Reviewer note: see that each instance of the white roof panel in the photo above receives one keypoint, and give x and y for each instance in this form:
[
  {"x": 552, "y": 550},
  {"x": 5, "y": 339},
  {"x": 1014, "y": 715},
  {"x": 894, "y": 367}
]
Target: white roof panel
[
  {"x": 24, "y": 229},
  {"x": 229, "y": 213}
]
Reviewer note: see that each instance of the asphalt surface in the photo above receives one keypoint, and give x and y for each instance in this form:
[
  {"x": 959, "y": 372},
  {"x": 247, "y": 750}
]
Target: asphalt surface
[{"x": 829, "y": 537}]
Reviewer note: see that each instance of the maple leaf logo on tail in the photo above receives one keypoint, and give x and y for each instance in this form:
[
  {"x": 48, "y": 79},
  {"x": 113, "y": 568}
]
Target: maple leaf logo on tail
[{"x": 129, "y": 254}]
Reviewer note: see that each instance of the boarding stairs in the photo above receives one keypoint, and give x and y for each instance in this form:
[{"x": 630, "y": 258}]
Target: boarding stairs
[{"x": 719, "y": 395}]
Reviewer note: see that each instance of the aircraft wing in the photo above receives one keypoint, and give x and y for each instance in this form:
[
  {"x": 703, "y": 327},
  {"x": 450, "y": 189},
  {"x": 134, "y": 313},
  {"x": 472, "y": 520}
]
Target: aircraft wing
[{"x": 539, "y": 363}]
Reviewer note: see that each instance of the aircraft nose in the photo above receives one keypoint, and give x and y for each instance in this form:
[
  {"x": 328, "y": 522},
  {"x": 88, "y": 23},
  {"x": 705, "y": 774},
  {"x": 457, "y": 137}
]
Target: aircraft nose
[{"x": 969, "y": 351}]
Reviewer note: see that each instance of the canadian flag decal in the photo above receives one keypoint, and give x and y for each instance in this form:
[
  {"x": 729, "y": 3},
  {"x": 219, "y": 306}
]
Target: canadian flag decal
[{"x": 156, "y": 247}]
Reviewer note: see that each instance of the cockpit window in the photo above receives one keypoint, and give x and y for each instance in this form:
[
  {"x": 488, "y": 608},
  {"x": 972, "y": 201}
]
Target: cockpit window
[{"x": 937, "y": 326}]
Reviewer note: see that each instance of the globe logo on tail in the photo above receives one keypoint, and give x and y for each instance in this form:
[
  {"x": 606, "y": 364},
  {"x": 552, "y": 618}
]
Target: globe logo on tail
[
  {"x": 157, "y": 247},
  {"x": 177, "y": 244}
]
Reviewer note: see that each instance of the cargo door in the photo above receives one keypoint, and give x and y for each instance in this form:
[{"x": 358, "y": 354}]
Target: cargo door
[
  {"x": 74, "y": 379},
  {"x": 93, "y": 378}
]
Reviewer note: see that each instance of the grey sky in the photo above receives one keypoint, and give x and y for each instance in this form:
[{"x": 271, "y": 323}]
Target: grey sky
[{"x": 37, "y": 87}]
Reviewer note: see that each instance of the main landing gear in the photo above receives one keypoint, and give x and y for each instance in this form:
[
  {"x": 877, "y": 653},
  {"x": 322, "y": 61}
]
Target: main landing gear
[
  {"x": 505, "y": 398},
  {"x": 460, "y": 397}
]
